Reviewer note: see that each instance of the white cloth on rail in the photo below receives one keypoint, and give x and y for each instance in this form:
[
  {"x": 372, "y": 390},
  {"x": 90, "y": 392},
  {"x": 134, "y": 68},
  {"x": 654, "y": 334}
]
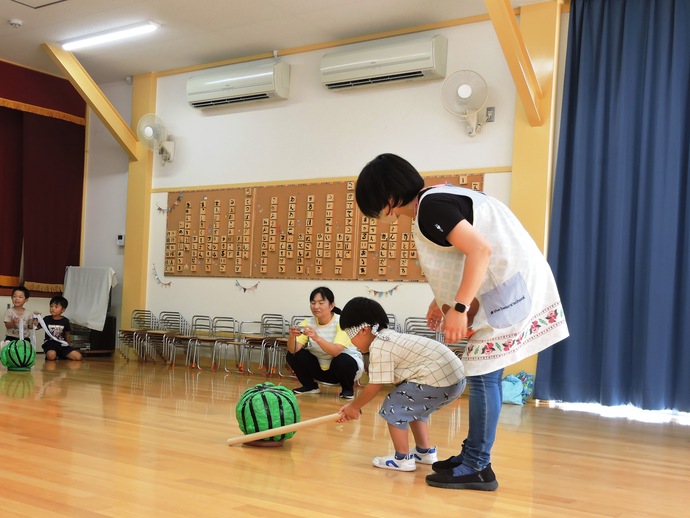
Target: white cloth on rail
[{"x": 87, "y": 290}]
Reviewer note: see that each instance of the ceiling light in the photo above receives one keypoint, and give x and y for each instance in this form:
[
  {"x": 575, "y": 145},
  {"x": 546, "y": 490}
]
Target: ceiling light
[{"x": 112, "y": 35}]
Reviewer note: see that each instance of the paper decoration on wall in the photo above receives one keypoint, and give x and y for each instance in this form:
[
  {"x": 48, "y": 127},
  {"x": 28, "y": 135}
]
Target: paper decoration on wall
[
  {"x": 377, "y": 293},
  {"x": 245, "y": 290},
  {"x": 172, "y": 206},
  {"x": 158, "y": 279}
]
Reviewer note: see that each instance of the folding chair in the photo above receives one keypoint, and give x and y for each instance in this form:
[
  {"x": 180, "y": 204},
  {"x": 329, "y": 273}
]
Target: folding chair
[
  {"x": 393, "y": 323},
  {"x": 225, "y": 335},
  {"x": 200, "y": 331},
  {"x": 417, "y": 326},
  {"x": 271, "y": 327},
  {"x": 250, "y": 339},
  {"x": 275, "y": 329},
  {"x": 134, "y": 338},
  {"x": 277, "y": 357},
  {"x": 160, "y": 342}
]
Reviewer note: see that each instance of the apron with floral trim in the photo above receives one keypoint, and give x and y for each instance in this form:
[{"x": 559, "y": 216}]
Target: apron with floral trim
[{"x": 520, "y": 310}]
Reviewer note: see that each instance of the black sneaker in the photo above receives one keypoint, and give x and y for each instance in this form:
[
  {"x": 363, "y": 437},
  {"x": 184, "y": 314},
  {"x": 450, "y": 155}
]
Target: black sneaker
[
  {"x": 347, "y": 394},
  {"x": 305, "y": 390},
  {"x": 443, "y": 466},
  {"x": 484, "y": 480}
]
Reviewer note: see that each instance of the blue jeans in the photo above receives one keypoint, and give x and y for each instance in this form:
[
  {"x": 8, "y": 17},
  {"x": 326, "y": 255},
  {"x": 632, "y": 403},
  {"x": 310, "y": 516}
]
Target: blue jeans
[{"x": 486, "y": 398}]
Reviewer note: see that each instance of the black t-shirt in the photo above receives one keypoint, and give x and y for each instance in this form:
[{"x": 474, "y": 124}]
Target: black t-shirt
[
  {"x": 57, "y": 328},
  {"x": 440, "y": 213}
]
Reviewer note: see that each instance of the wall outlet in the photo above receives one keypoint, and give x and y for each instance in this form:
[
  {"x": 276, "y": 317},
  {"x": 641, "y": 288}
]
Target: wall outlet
[
  {"x": 120, "y": 240},
  {"x": 490, "y": 114}
]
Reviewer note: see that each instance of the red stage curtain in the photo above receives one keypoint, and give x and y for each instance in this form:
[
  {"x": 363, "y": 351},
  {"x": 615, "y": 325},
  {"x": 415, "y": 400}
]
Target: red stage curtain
[
  {"x": 53, "y": 162},
  {"x": 25, "y": 89},
  {"x": 42, "y": 137},
  {"x": 10, "y": 196}
]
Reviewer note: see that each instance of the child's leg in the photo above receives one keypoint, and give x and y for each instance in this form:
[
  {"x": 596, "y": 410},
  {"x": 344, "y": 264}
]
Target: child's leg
[
  {"x": 400, "y": 439},
  {"x": 420, "y": 431},
  {"x": 74, "y": 355},
  {"x": 51, "y": 355}
]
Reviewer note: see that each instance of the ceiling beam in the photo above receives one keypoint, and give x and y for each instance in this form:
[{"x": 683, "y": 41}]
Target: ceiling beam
[
  {"x": 95, "y": 98},
  {"x": 521, "y": 68}
]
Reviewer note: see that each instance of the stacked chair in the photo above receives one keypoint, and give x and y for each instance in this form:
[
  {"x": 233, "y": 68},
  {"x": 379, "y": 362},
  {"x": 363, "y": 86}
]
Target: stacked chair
[
  {"x": 134, "y": 338},
  {"x": 417, "y": 326},
  {"x": 393, "y": 323},
  {"x": 226, "y": 335},
  {"x": 261, "y": 336},
  {"x": 199, "y": 332},
  {"x": 277, "y": 358},
  {"x": 160, "y": 340}
]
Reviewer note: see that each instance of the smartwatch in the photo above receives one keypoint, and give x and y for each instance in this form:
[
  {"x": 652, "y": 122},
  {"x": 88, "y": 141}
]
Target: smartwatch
[{"x": 460, "y": 307}]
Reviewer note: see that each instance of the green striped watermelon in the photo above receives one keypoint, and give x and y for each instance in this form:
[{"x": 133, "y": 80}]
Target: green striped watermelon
[
  {"x": 18, "y": 355},
  {"x": 267, "y": 406}
]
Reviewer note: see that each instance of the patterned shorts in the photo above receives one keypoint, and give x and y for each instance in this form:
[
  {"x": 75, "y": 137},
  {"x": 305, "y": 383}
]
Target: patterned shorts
[{"x": 415, "y": 402}]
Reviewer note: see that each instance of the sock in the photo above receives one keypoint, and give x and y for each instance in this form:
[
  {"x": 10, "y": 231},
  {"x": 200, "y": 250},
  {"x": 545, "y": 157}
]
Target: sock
[
  {"x": 400, "y": 456},
  {"x": 422, "y": 450},
  {"x": 462, "y": 470}
]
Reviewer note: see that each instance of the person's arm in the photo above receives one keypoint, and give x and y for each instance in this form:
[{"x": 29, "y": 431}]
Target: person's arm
[
  {"x": 66, "y": 336},
  {"x": 294, "y": 345},
  {"x": 354, "y": 408},
  {"x": 477, "y": 252},
  {"x": 434, "y": 316},
  {"x": 10, "y": 320},
  {"x": 334, "y": 349}
]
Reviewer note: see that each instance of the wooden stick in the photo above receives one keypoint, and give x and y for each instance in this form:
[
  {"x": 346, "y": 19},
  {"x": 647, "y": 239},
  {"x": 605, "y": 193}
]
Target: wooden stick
[{"x": 284, "y": 429}]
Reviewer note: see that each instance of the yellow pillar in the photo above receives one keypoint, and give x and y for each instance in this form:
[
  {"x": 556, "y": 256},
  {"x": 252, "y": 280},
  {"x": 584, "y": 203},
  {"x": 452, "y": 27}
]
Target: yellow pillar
[
  {"x": 136, "y": 267},
  {"x": 533, "y": 146}
]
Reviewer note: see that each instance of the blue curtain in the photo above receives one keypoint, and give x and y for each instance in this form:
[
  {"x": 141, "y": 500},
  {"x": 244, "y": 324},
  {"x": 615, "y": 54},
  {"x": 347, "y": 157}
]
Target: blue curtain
[{"x": 620, "y": 235}]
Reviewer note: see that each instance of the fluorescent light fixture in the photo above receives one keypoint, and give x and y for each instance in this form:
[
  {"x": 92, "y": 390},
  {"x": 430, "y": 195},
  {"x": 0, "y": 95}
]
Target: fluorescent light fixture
[{"x": 120, "y": 33}]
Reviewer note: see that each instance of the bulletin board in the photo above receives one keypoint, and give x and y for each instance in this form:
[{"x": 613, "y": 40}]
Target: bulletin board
[{"x": 290, "y": 231}]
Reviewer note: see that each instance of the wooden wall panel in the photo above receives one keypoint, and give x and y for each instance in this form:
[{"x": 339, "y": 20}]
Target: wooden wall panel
[{"x": 290, "y": 231}]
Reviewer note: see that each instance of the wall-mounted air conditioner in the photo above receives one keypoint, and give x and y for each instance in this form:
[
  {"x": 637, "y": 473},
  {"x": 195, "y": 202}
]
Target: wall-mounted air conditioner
[
  {"x": 243, "y": 82},
  {"x": 385, "y": 61}
]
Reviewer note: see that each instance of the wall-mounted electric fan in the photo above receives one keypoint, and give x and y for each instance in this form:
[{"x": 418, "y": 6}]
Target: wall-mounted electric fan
[
  {"x": 464, "y": 94},
  {"x": 153, "y": 134}
]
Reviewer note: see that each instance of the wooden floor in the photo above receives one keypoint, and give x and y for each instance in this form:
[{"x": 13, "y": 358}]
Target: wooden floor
[{"x": 107, "y": 437}]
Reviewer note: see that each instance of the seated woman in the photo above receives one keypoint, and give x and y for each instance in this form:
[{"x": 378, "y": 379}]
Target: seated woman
[{"x": 318, "y": 350}]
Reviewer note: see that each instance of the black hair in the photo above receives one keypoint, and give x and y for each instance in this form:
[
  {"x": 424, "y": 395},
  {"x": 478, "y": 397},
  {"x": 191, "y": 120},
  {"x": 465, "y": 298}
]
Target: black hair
[
  {"x": 60, "y": 301},
  {"x": 26, "y": 292},
  {"x": 386, "y": 178},
  {"x": 327, "y": 294},
  {"x": 361, "y": 310}
]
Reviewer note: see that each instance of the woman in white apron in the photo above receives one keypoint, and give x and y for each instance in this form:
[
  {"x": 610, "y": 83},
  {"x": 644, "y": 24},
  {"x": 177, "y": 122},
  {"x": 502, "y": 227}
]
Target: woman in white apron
[{"x": 486, "y": 273}]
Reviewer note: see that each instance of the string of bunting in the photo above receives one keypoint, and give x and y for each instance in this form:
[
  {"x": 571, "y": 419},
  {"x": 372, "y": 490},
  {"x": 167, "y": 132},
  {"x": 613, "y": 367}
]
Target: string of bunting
[
  {"x": 385, "y": 293},
  {"x": 158, "y": 279},
  {"x": 172, "y": 207},
  {"x": 245, "y": 290}
]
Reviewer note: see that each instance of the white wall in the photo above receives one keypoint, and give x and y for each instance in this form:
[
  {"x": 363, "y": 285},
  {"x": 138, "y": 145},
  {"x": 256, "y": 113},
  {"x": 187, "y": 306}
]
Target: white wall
[
  {"x": 315, "y": 134},
  {"x": 106, "y": 192}
]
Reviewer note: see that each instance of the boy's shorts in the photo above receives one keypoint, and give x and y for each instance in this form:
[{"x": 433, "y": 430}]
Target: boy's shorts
[
  {"x": 414, "y": 402},
  {"x": 60, "y": 350}
]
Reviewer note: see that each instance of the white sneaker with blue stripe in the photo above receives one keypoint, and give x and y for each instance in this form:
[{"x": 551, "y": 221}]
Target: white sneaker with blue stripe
[
  {"x": 424, "y": 458},
  {"x": 390, "y": 462}
]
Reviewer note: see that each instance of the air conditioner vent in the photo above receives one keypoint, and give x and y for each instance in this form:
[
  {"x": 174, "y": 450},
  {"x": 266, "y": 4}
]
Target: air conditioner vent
[
  {"x": 220, "y": 102},
  {"x": 374, "y": 80}
]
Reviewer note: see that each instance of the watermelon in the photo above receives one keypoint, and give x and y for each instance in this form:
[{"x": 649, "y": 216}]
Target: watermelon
[
  {"x": 18, "y": 355},
  {"x": 267, "y": 406}
]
